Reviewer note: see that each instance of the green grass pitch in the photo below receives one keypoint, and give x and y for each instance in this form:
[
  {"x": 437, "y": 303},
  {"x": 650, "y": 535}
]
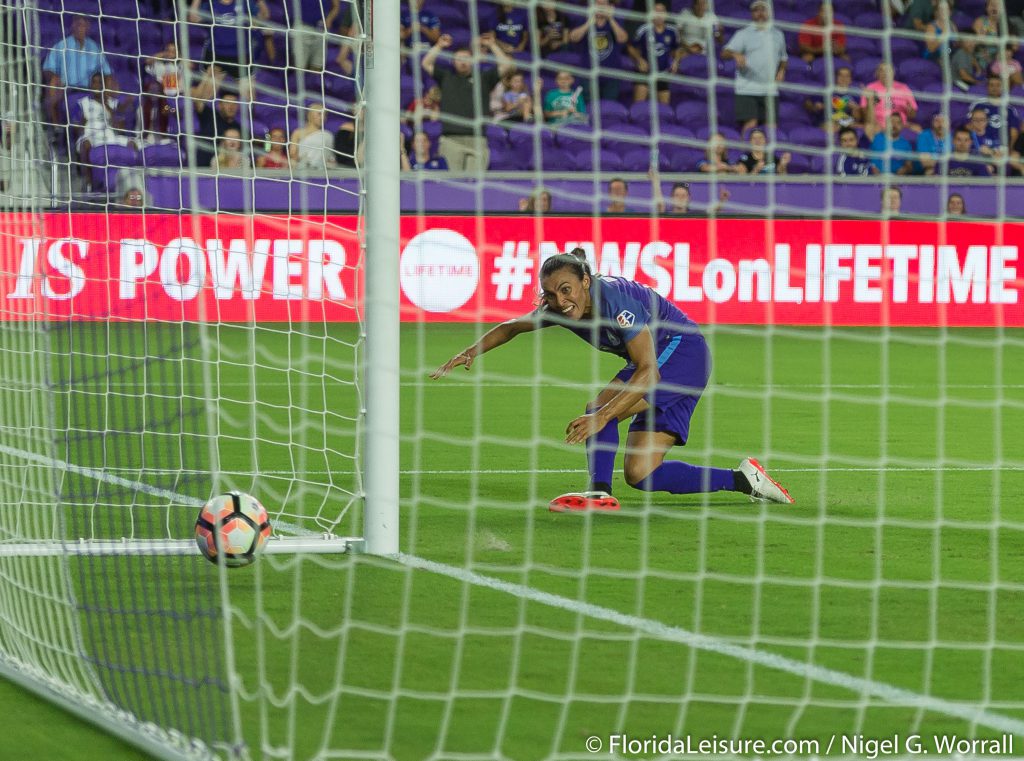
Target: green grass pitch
[{"x": 900, "y": 563}]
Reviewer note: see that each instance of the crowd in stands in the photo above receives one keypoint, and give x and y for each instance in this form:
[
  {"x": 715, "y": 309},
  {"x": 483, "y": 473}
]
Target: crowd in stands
[{"x": 859, "y": 88}]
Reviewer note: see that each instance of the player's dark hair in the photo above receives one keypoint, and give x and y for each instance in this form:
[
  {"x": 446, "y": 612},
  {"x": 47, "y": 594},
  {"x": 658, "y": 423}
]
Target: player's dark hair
[{"x": 575, "y": 260}]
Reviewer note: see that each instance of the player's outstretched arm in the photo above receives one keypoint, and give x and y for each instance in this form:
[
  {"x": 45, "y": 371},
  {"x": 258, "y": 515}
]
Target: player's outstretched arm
[{"x": 496, "y": 336}]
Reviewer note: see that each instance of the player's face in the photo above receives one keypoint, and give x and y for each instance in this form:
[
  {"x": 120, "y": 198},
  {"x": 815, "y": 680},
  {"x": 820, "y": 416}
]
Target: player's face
[{"x": 565, "y": 293}]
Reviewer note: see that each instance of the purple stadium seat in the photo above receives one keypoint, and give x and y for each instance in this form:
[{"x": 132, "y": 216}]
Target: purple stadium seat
[
  {"x": 640, "y": 114},
  {"x": 573, "y": 138},
  {"x": 686, "y": 159},
  {"x": 564, "y": 57},
  {"x": 809, "y": 136},
  {"x": 869, "y": 20},
  {"x": 694, "y": 65},
  {"x": 496, "y": 135},
  {"x": 793, "y": 113},
  {"x": 692, "y": 114},
  {"x": 612, "y": 112},
  {"x": 638, "y": 160},
  {"x": 555, "y": 159},
  {"x": 106, "y": 160},
  {"x": 919, "y": 69},
  {"x": 161, "y": 154},
  {"x": 864, "y": 69},
  {"x": 903, "y": 49},
  {"x": 626, "y": 138},
  {"x": 862, "y": 47}
]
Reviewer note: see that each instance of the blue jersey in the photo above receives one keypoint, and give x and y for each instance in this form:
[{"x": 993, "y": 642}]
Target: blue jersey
[
  {"x": 621, "y": 310},
  {"x": 663, "y": 45}
]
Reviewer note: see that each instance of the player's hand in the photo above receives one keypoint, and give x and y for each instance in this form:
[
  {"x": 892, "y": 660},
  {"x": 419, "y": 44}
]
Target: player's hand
[
  {"x": 582, "y": 428},
  {"x": 462, "y": 358}
]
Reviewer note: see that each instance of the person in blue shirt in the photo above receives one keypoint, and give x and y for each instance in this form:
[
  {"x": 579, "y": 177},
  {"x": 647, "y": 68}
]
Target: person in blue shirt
[
  {"x": 422, "y": 155},
  {"x": 667, "y": 368},
  {"x": 235, "y": 37},
  {"x": 512, "y": 29},
  {"x": 606, "y": 36},
  {"x": 71, "y": 63},
  {"x": 430, "y": 25},
  {"x": 900, "y": 161},
  {"x": 851, "y": 161},
  {"x": 655, "y": 43},
  {"x": 933, "y": 144}
]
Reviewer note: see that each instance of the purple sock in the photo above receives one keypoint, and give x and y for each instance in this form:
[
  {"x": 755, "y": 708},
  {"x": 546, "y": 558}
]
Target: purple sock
[
  {"x": 601, "y": 449},
  {"x": 678, "y": 477}
]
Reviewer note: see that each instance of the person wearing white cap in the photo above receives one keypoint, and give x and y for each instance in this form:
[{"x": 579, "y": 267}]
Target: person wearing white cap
[{"x": 759, "y": 50}]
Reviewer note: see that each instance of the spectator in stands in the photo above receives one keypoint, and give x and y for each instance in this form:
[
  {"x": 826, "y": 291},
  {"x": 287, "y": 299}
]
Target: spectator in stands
[
  {"x": 918, "y": 14},
  {"x": 230, "y": 153},
  {"x": 430, "y": 25},
  {"x": 71, "y": 63},
  {"x": 892, "y": 202},
  {"x": 940, "y": 34},
  {"x": 349, "y": 28},
  {"x": 538, "y": 202},
  {"x": 462, "y": 145},
  {"x": 308, "y": 32},
  {"x": 964, "y": 65},
  {"x": 311, "y": 146},
  {"x": 133, "y": 198},
  {"x": 552, "y": 29},
  {"x": 851, "y": 161},
  {"x": 758, "y": 161},
  {"x": 1016, "y": 160},
  {"x": 1015, "y": 16},
  {"x": 678, "y": 198},
  {"x": 655, "y": 43},
  {"x": 214, "y": 122},
  {"x": 962, "y": 161},
  {"x": 566, "y": 102},
  {"x": 276, "y": 156},
  {"x": 618, "y": 191},
  {"x": 893, "y": 153},
  {"x": 235, "y": 37},
  {"x": 165, "y": 75},
  {"x": 103, "y": 118},
  {"x": 422, "y": 157},
  {"x": 990, "y": 28},
  {"x": 759, "y": 51},
  {"x": 606, "y": 37},
  {"x": 716, "y": 157},
  {"x": 811, "y": 39},
  {"x": 345, "y": 149},
  {"x": 933, "y": 145},
  {"x": 511, "y": 100},
  {"x": 699, "y": 29},
  {"x": 1008, "y": 66},
  {"x": 426, "y": 108},
  {"x": 512, "y": 30},
  {"x": 843, "y": 109},
  {"x": 985, "y": 138},
  {"x": 884, "y": 97},
  {"x": 955, "y": 205},
  {"x": 1000, "y": 116}
]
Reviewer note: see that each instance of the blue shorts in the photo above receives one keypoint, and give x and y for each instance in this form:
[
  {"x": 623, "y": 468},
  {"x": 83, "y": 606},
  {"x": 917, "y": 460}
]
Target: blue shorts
[{"x": 685, "y": 368}]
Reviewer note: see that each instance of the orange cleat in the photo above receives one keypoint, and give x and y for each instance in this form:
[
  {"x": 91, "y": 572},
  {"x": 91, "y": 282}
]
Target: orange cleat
[{"x": 581, "y": 501}]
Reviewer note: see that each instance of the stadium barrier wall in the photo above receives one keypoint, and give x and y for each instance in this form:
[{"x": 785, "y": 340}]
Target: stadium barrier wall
[{"x": 459, "y": 268}]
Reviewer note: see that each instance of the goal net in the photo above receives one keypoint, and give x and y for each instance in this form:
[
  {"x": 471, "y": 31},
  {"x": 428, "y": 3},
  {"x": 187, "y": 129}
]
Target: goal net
[{"x": 200, "y": 282}]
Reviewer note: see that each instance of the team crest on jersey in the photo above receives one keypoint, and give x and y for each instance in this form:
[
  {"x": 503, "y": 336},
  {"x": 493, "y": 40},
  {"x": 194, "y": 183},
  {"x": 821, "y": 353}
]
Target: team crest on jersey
[{"x": 625, "y": 319}]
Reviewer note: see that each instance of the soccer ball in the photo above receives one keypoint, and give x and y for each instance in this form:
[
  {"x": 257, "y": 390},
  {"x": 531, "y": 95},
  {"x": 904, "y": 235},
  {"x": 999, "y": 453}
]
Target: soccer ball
[{"x": 232, "y": 527}]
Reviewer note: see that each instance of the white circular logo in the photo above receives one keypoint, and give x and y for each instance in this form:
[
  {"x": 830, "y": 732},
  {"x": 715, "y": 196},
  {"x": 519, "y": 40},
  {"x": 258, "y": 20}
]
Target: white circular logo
[{"x": 439, "y": 270}]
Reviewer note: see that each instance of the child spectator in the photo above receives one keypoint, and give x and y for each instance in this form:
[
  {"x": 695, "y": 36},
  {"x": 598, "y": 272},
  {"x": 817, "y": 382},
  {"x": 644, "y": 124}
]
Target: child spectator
[
  {"x": 276, "y": 156},
  {"x": 843, "y": 109},
  {"x": 933, "y": 145},
  {"x": 425, "y": 108},
  {"x": 655, "y": 44},
  {"x": 102, "y": 118},
  {"x": 165, "y": 76},
  {"x": 851, "y": 161},
  {"x": 565, "y": 103},
  {"x": 230, "y": 154},
  {"x": 312, "y": 147},
  {"x": 510, "y": 99}
]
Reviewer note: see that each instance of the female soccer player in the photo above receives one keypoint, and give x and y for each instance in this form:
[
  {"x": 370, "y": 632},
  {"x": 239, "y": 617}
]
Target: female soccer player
[{"x": 667, "y": 368}]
